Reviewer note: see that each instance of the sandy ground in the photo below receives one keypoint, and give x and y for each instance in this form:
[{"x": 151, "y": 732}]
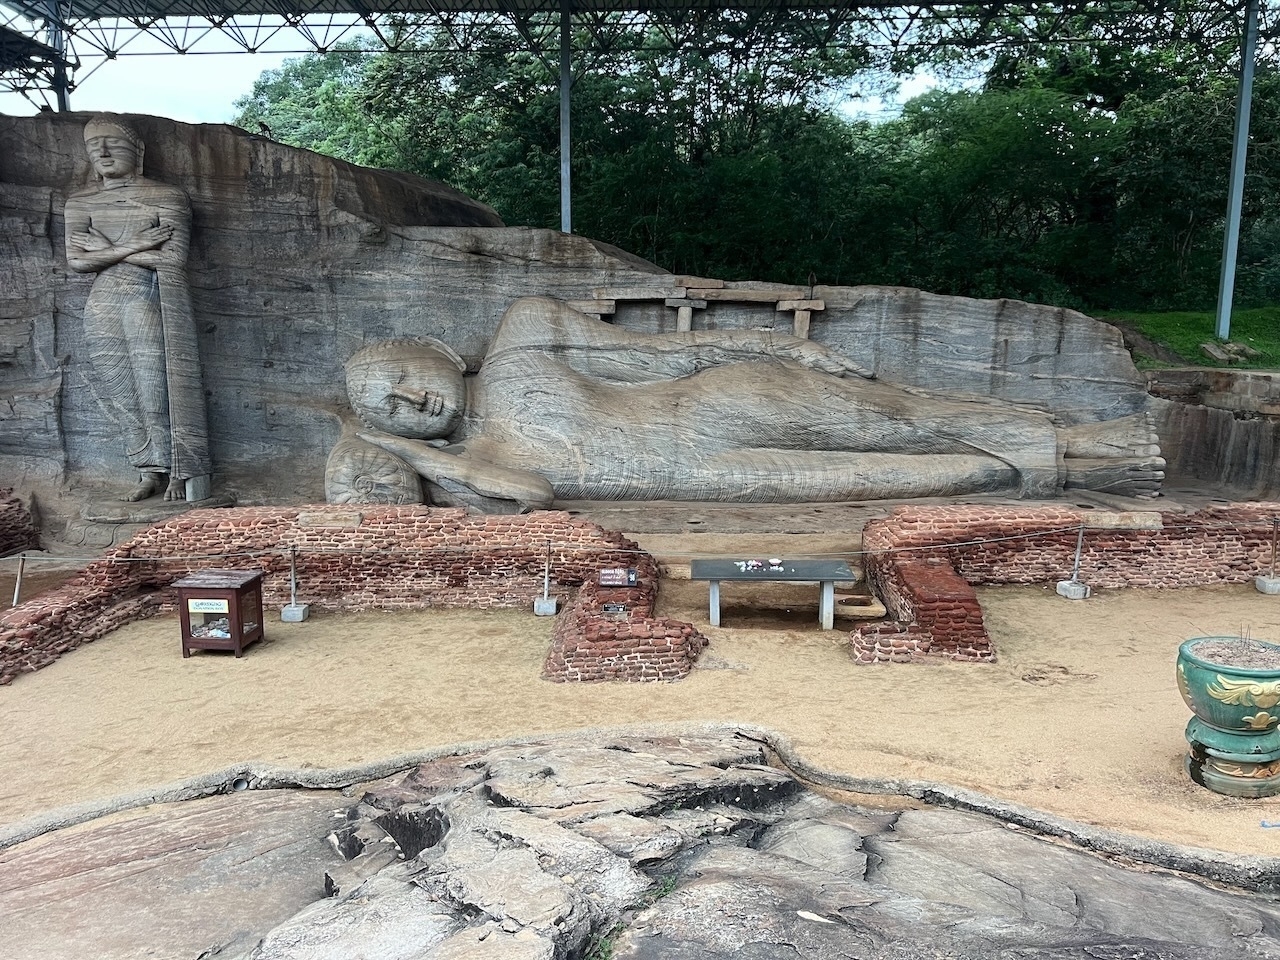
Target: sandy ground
[{"x": 1080, "y": 716}]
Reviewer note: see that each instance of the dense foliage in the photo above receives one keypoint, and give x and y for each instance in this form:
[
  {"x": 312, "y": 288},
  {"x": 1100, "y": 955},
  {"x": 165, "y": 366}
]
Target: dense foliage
[{"x": 1090, "y": 174}]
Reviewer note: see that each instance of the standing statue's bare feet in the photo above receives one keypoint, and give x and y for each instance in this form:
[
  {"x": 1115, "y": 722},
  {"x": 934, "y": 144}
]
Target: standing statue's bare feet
[
  {"x": 149, "y": 485},
  {"x": 177, "y": 489}
]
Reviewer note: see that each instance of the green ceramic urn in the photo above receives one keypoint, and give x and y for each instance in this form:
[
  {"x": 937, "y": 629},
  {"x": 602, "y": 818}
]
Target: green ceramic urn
[{"x": 1232, "y": 684}]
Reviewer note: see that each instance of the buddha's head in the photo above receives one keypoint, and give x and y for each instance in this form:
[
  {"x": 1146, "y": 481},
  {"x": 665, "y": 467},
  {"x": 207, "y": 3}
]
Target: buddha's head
[
  {"x": 411, "y": 388},
  {"x": 114, "y": 149}
]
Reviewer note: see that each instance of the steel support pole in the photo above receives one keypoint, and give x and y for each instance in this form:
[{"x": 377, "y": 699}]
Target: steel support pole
[
  {"x": 1235, "y": 190},
  {"x": 58, "y": 40},
  {"x": 61, "y": 86},
  {"x": 17, "y": 583},
  {"x": 566, "y": 83}
]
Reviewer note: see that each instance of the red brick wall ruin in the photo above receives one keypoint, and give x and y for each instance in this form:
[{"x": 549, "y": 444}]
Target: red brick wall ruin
[
  {"x": 384, "y": 557},
  {"x": 591, "y": 644},
  {"x": 922, "y": 562},
  {"x": 17, "y": 531}
]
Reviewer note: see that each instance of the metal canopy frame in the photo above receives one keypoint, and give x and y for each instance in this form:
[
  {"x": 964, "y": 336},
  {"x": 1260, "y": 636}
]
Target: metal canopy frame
[
  {"x": 87, "y": 33},
  {"x": 19, "y": 51},
  {"x": 44, "y": 44}
]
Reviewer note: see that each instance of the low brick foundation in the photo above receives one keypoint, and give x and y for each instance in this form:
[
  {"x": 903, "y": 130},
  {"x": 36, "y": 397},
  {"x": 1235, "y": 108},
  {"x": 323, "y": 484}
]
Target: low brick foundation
[
  {"x": 936, "y": 613},
  {"x": 17, "y": 530},
  {"x": 922, "y": 562},
  {"x": 384, "y": 557},
  {"x": 590, "y": 644}
]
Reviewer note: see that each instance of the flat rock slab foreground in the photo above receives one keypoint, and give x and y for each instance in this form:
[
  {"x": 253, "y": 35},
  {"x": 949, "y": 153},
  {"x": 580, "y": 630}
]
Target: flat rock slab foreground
[{"x": 629, "y": 846}]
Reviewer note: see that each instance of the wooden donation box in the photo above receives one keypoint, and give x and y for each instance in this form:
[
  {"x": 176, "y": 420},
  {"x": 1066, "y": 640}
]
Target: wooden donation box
[{"x": 220, "y": 610}]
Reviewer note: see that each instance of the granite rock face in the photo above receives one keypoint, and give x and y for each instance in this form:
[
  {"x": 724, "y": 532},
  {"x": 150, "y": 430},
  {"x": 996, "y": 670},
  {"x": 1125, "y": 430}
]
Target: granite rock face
[
  {"x": 694, "y": 848},
  {"x": 200, "y": 878},
  {"x": 298, "y": 260},
  {"x": 654, "y": 847}
]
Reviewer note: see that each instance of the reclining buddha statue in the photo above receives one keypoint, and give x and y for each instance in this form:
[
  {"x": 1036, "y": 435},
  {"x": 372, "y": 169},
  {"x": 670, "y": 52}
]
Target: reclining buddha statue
[{"x": 568, "y": 407}]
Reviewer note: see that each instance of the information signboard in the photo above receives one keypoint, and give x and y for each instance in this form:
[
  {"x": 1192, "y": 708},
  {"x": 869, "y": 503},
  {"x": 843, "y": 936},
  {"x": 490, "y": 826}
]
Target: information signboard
[{"x": 618, "y": 577}]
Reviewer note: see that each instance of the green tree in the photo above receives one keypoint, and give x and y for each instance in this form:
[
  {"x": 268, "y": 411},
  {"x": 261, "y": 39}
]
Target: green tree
[
  {"x": 315, "y": 102},
  {"x": 1007, "y": 192},
  {"x": 1086, "y": 174},
  {"x": 719, "y": 122},
  {"x": 1174, "y": 107}
]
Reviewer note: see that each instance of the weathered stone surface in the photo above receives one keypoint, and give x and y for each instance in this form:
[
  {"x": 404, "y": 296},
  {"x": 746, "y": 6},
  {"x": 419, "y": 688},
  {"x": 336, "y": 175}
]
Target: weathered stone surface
[
  {"x": 634, "y": 838},
  {"x": 1222, "y": 426},
  {"x": 942, "y": 884},
  {"x": 491, "y": 942},
  {"x": 704, "y": 866},
  {"x": 830, "y": 847},
  {"x": 297, "y": 260},
  {"x": 515, "y": 867},
  {"x": 172, "y": 881},
  {"x": 384, "y": 918},
  {"x": 554, "y": 869},
  {"x": 995, "y": 872},
  {"x": 630, "y": 776},
  {"x": 743, "y": 903}
]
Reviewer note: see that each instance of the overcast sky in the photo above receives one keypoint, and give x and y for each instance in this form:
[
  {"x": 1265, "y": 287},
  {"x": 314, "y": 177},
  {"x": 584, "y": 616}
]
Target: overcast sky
[
  {"x": 203, "y": 87},
  {"x": 195, "y": 88}
]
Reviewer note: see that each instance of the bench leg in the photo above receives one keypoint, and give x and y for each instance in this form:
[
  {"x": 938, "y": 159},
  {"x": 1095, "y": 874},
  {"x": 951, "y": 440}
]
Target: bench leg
[
  {"x": 827, "y": 605},
  {"x": 715, "y": 603}
]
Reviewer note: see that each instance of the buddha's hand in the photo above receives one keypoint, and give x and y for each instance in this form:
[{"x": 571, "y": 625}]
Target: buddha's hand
[
  {"x": 91, "y": 240},
  {"x": 148, "y": 238},
  {"x": 820, "y": 358}
]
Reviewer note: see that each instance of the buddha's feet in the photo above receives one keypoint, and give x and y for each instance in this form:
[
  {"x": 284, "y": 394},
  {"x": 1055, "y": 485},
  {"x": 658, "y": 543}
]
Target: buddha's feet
[
  {"x": 1123, "y": 438},
  {"x": 177, "y": 489},
  {"x": 1119, "y": 456},
  {"x": 1139, "y": 477},
  {"x": 149, "y": 485}
]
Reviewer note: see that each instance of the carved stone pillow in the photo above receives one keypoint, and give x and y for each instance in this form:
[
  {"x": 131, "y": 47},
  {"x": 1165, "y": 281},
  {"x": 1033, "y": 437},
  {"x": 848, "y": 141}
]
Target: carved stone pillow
[{"x": 359, "y": 472}]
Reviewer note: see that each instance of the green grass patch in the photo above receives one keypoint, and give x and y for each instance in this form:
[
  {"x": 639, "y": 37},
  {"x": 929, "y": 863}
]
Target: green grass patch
[
  {"x": 600, "y": 947},
  {"x": 1183, "y": 332}
]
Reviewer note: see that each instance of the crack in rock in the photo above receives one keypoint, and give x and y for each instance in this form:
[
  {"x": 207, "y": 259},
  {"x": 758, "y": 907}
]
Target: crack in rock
[{"x": 563, "y": 850}]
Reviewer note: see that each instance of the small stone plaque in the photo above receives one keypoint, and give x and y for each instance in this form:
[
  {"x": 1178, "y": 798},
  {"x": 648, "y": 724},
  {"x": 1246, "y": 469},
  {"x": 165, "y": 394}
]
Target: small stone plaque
[
  {"x": 1127, "y": 520},
  {"x": 1073, "y": 590},
  {"x": 295, "y": 612},
  {"x": 618, "y": 577},
  {"x": 615, "y": 608}
]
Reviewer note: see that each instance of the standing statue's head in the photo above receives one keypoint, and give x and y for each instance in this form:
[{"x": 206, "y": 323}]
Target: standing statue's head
[
  {"x": 115, "y": 149},
  {"x": 412, "y": 388}
]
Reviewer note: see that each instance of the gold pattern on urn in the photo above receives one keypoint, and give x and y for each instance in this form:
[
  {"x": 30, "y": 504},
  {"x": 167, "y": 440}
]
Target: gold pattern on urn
[
  {"x": 1260, "y": 721},
  {"x": 1251, "y": 771},
  {"x": 1184, "y": 688},
  {"x": 1245, "y": 693}
]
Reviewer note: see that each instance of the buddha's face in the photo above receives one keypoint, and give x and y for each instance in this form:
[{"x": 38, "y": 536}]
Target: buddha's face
[
  {"x": 415, "y": 391},
  {"x": 113, "y": 156}
]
